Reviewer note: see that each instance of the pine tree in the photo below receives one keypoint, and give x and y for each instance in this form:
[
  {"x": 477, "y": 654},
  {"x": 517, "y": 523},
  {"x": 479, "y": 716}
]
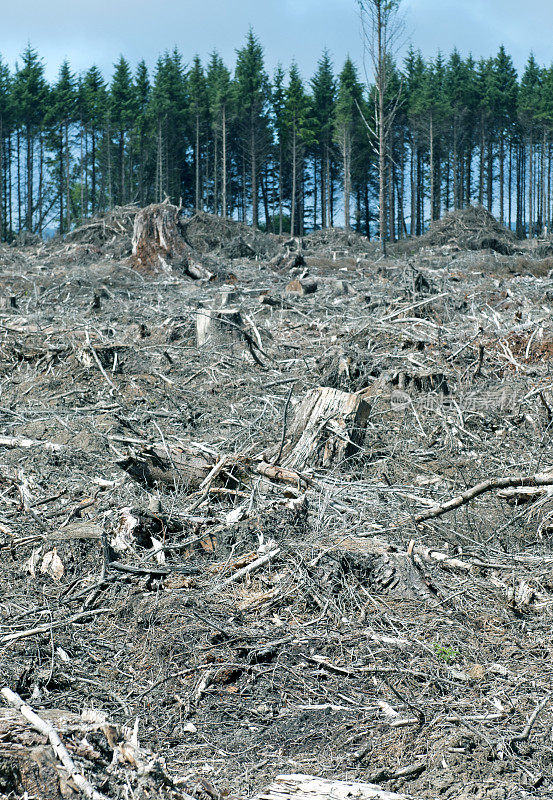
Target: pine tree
[
  {"x": 122, "y": 111},
  {"x": 30, "y": 92},
  {"x": 95, "y": 103},
  {"x": 529, "y": 110},
  {"x": 63, "y": 110},
  {"x": 251, "y": 87},
  {"x": 278, "y": 105},
  {"x": 142, "y": 130},
  {"x": 502, "y": 98},
  {"x": 6, "y": 119},
  {"x": 198, "y": 110},
  {"x": 347, "y": 123},
  {"x": 323, "y": 87},
  {"x": 299, "y": 124},
  {"x": 219, "y": 96}
]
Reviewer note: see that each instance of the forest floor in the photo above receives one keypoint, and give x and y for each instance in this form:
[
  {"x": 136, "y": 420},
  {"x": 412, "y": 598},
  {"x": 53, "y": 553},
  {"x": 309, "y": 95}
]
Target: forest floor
[{"x": 431, "y": 675}]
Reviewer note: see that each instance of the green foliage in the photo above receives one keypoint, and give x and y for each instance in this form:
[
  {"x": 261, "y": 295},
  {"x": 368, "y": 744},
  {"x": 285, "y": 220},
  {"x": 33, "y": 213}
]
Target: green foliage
[{"x": 445, "y": 653}]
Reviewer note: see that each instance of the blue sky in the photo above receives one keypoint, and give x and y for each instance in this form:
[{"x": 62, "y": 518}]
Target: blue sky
[{"x": 97, "y": 31}]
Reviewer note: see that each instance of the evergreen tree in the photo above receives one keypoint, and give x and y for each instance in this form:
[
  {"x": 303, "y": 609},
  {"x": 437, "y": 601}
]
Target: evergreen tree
[
  {"x": 63, "y": 110},
  {"x": 300, "y": 129},
  {"x": 323, "y": 87},
  {"x": 6, "y": 120},
  {"x": 198, "y": 109},
  {"x": 95, "y": 102},
  {"x": 122, "y": 111},
  {"x": 347, "y": 126},
  {"x": 529, "y": 112},
  {"x": 252, "y": 93},
  {"x": 30, "y": 92}
]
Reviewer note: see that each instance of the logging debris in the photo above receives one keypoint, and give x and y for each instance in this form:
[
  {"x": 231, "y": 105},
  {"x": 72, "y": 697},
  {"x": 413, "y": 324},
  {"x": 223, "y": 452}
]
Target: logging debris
[{"x": 266, "y": 548}]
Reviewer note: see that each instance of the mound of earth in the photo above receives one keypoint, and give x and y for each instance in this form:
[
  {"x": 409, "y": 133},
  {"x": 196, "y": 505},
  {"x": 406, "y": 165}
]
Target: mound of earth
[{"x": 471, "y": 228}]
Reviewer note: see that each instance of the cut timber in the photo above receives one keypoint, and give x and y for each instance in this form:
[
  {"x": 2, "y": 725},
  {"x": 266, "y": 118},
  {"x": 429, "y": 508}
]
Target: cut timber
[
  {"x": 308, "y": 787},
  {"x": 221, "y": 326},
  {"x": 302, "y": 287},
  {"x": 327, "y": 428},
  {"x": 177, "y": 467},
  {"x": 158, "y": 244}
]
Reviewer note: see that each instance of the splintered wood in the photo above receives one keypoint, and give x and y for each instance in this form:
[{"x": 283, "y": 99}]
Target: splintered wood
[
  {"x": 309, "y": 787},
  {"x": 327, "y": 429}
]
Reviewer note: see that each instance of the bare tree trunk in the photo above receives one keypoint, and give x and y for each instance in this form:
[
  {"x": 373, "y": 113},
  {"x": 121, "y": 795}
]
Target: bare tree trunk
[
  {"x": 502, "y": 177},
  {"x": 293, "y": 199},
  {"x": 381, "y": 87},
  {"x": 255, "y": 210},
  {"x": 197, "y": 160},
  {"x": 531, "y": 188},
  {"x": 29, "y": 220},
  {"x": 431, "y": 167},
  {"x": 224, "y": 156}
]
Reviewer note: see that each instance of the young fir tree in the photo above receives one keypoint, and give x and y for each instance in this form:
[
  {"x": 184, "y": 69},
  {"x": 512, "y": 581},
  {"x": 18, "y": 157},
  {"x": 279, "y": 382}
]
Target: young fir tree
[
  {"x": 347, "y": 126},
  {"x": 251, "y": 95},
  {"x": 30, "y": 93},
  {"x": 323, "y": 87}
]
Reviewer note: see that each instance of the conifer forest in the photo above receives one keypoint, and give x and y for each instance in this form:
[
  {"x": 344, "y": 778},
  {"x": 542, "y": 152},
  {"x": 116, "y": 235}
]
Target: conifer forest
[{"x": 282, "y": 152}]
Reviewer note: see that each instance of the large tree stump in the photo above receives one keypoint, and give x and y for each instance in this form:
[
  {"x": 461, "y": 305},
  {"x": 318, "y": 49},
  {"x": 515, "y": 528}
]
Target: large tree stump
[
  {"x": 158, "y": 244},
  {"x": 222, "y": 326},
  {"x": 327, "y": 428}
]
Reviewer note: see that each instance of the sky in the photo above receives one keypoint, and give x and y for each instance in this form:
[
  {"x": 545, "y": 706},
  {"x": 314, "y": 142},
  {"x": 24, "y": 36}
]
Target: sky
[{"x": 98, "y": 31}]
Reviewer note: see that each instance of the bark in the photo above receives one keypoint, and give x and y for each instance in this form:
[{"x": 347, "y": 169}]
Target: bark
[{"x": 328, "y": 428}]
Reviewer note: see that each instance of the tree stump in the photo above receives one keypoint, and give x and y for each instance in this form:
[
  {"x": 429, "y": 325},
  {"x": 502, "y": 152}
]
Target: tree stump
[
  {"x": 222, "y": 326},
  {"x": 327, "y": 428},
  {"x": 302, "y": 287},
  {"x": 156, "y": 237},
  {"x": 158, "y": 244}
]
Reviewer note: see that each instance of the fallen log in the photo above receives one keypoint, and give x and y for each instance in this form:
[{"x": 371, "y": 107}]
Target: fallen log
[
  {"x": 516, "y": 481},
  {"x": 309, "y": 787}
]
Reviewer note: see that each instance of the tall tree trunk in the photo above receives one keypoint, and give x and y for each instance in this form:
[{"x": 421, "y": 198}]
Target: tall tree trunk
[
  {"x": 67, "y": 177},
  {"x": 197, "y": 162},
  {"x": 29, "y": 219},
  {"x": 432, "y": 171},
  {"x": 293, "y": 199},
  {"x": 255, "y": 209},
  {"x": 531, "y": 187},
  {"x": 482, "y": 159},
  {"x": 346, "y": 168},
  {"x": 502, "y": 176},
  {"x": 224, "y": 171}
]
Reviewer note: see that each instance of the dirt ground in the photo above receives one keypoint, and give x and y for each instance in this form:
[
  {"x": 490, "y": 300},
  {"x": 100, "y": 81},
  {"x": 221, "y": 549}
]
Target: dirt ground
[{"x": 369, "y": 646}]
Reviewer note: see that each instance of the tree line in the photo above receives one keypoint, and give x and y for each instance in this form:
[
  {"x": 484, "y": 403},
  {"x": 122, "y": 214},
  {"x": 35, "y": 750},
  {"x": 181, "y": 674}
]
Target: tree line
[{"x": 282, "y": 153}]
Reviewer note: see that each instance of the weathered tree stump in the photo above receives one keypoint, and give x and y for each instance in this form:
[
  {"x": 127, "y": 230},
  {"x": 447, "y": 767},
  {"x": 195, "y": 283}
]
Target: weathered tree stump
[
  {"x": 219, "y": 326},
  {"x": 158, "y": 244},
  {"x": 302, "y": 287},
  {"x": 327, "y": 428}
]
